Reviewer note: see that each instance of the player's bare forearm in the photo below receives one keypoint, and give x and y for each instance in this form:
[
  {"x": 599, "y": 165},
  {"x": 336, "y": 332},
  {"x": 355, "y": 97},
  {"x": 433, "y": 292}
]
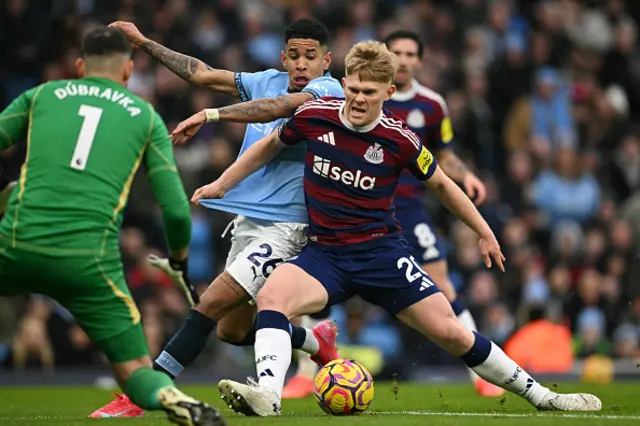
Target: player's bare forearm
[
  {"x": 192, "y": 69},
  {"x": 264, "y": 110},
  {"x": 167, "y": 187},
  {"x": 183, "y": 66},
  {"x": 176, "y": 214},
  {"x": 452, "y": 165},
  {"x": 251, "y": 161},
  {"x": 457, "y": 202}
]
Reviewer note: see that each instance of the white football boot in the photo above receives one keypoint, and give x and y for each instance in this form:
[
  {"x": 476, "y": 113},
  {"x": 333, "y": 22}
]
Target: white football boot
[
  {"x": 570, "y": 402},
  {"x": 250, "y": 399}
]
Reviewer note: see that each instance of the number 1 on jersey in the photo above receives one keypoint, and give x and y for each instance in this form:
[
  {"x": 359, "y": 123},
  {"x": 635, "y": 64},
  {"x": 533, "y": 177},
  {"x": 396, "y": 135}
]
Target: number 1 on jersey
[{"x": 87, "y": 134}]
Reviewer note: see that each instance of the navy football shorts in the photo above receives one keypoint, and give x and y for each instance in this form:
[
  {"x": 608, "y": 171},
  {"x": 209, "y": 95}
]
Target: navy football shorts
[
  {"x": 386, "y": 275},
  {"x": 417, "y": 228}
]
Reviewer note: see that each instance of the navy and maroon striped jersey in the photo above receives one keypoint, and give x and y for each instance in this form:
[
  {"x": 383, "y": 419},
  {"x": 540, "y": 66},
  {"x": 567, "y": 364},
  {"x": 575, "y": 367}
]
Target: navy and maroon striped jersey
[
  {"x": 351, "y": 173},
  {"x": 426, "y": 113}
]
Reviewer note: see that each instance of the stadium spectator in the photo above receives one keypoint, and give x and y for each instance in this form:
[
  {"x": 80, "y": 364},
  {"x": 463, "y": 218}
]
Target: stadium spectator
[
  {"x": 590, "y": 338},
  {"x": 542, "y": 121},
  {"x": 564, "y": 192},
  {"x": 541, "y": 345}
]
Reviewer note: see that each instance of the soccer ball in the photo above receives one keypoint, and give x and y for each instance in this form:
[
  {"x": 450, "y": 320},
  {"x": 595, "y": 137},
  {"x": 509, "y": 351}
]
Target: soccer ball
[{"x": 343, "y": 387}]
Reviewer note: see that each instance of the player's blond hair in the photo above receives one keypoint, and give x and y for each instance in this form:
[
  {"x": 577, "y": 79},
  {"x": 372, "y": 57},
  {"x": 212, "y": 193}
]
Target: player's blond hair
[{"x": 372, "y": 61}]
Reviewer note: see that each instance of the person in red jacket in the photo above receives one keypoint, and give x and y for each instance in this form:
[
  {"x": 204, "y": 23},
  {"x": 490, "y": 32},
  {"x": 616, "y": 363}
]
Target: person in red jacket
[{"x": 541, "y": 346}]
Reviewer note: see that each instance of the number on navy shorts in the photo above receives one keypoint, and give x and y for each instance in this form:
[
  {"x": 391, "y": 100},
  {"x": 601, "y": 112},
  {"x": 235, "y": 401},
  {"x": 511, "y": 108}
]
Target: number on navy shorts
[
  {"x": 269, "y": 265},
  {"x": 413, "y": 271},
  {"x": 427, "y": 240}
]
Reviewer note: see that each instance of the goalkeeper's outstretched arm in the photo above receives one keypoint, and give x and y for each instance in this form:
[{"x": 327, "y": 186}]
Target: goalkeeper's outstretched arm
[
  {"x": 176, "y": 215},
  {"x": 167, "y": 188}
]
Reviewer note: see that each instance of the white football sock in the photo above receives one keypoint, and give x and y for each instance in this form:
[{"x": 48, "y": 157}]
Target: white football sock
[
  {"x": 306, "y": 367},
  {"x": 466, "y": 319},
  {"x": 502, "y": 371},
  {"x": 310, "y": 345},
  {"x": 273, "y": 357}
]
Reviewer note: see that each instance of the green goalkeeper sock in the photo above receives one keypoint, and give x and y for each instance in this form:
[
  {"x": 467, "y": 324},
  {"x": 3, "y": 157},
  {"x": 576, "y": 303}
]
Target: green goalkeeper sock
[{"x": 143, "y": 387}]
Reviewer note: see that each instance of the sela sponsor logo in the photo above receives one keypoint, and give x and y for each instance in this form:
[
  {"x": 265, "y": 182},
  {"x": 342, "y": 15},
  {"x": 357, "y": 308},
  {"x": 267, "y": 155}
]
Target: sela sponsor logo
[
  {"x": 266, "y": 358},
  {"x": 324, "y": 168}
]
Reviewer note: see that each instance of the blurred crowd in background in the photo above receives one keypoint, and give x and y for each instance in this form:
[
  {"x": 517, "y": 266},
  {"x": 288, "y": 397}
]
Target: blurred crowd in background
[{"x": 545, "y": 100}]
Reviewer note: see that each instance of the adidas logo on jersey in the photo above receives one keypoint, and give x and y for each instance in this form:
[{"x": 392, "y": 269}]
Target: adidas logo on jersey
[
  {"x": 328, "y": 138},
  {"x": 323, "y": 167}
]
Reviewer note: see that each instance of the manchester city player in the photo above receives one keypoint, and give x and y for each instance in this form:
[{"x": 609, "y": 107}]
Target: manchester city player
[{"x": 272, "y": 218}]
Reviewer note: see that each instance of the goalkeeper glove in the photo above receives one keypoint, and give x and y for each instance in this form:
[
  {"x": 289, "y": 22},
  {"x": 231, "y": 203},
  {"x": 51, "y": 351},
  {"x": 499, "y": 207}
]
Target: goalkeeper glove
[{"x": 178, "y": 272}]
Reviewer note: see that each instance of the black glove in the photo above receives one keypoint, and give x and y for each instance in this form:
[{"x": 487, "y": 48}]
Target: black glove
[{"x": 178, "y": 272}]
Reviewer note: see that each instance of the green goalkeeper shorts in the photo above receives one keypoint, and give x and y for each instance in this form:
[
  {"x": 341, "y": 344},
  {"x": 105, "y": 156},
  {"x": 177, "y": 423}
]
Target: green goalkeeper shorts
[{"x": 92, "y": 289}]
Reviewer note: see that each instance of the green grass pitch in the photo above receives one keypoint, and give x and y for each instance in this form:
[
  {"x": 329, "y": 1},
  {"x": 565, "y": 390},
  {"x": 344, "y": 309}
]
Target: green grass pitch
[{"x": 432, "y": 405}]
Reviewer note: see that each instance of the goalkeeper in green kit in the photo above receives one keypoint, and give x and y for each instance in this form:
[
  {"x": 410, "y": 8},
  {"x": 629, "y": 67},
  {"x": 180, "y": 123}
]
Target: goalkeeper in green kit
[{"x": 59, "y": 235}]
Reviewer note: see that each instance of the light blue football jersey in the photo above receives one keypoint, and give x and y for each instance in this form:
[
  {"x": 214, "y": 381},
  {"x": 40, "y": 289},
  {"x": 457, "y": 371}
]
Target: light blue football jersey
[{"x": 276, "y": 191}]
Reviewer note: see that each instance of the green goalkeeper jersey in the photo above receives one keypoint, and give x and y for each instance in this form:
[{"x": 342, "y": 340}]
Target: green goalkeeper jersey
[{"x": 86, "y": 139}]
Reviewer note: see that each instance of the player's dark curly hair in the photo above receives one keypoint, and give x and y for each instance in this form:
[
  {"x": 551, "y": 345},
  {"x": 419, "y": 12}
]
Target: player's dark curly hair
[
  {"x": 404, "y": 34},
  {"x": 307, "y": 28},
  {"x": 104, "y": 41}
]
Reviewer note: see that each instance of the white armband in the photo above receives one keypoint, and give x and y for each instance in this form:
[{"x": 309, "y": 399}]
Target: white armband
[{"x": 212, "y": 114}]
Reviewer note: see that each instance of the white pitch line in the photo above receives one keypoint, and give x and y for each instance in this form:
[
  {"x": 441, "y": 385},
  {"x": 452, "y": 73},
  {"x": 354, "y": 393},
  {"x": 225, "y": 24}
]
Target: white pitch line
[
  {"x": 41, "y": 418},
  {"x": 516, "y": 415}
]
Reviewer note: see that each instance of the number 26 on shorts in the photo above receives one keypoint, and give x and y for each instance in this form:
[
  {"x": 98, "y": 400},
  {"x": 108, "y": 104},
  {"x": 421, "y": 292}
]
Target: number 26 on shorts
[{"x": 269, "y": 265}]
